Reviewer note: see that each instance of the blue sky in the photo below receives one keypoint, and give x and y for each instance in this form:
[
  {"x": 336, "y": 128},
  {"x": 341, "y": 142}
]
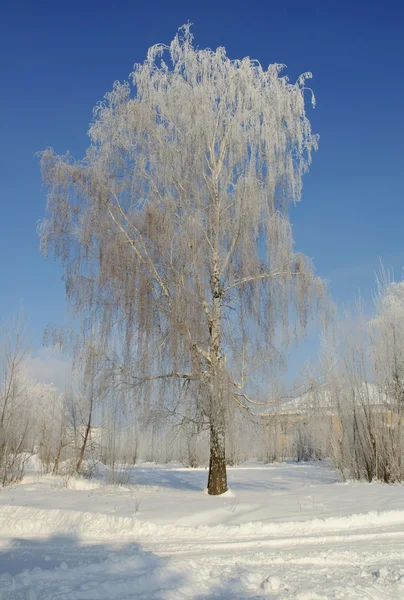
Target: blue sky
[{"x": 58, "y": 59}]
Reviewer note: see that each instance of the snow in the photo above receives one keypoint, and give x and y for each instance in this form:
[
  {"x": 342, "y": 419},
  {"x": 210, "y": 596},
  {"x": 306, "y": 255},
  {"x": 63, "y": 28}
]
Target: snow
[{"x": 284, "y": 531}]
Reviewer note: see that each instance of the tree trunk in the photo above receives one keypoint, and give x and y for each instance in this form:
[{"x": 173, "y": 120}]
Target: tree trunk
[
  {"x": 217, "y": 479},
  {"x": 57, "y": 459},
  {"x": 83, "y": 446}
]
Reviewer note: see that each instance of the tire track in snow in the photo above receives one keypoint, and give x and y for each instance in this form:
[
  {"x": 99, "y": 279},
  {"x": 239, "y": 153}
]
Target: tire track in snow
[
  {"x": 196, "y": 546},
  {"x": 27, "y": 521}
]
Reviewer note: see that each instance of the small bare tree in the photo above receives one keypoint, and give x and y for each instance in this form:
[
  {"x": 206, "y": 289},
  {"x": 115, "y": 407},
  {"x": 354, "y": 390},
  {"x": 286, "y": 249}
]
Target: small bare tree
[
  {"x": 92, "y": 389},
  {"x": 14, "y": 422},
  {"x": 174, "y": 229}
]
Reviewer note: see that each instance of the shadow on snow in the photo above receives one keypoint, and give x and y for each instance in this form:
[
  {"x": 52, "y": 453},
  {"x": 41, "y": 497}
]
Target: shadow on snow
[{"x": 62, "y": 568}]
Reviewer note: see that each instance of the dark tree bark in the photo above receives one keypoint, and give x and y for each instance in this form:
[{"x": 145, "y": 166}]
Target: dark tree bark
[{"x": 217, "y": 479}]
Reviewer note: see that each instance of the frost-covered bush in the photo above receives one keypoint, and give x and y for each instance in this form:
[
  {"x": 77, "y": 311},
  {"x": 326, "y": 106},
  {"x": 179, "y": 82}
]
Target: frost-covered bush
[{"x": 365, "y": 389}]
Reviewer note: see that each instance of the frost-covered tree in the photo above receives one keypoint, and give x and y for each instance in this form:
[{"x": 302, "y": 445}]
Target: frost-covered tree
[
  {"x": 43, "y": 409},
  {"x": 174, "y": 229},
  {"x": 359, "y": 406},
  {"x": 387, "y": 331},
  {"x": 31, "y": 412}
]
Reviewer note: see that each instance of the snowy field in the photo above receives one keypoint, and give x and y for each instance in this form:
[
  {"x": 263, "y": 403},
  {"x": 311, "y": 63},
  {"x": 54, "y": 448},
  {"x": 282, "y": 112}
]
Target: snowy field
[{"x": 288, "y": 531}]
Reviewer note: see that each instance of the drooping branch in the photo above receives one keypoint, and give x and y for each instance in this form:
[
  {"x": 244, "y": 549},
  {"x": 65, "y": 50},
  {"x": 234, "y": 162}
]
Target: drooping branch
[
  {"x": 252, "y": 278},
  {"x": 139, "y": 380}
]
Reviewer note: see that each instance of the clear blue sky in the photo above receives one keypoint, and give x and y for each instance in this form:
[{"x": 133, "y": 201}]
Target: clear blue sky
[{"x": 58, "y": 59}]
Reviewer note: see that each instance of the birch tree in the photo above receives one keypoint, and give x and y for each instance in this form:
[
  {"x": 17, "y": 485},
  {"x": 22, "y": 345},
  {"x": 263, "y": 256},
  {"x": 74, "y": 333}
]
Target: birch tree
[{"x": 174, "y": 229}]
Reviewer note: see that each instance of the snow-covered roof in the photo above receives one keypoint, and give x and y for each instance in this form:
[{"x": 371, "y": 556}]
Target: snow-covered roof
[{"x": 323, "y": 398}]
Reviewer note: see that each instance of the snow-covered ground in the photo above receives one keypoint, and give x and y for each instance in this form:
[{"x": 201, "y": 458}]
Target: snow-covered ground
[{"x": 287, "y": 531}]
